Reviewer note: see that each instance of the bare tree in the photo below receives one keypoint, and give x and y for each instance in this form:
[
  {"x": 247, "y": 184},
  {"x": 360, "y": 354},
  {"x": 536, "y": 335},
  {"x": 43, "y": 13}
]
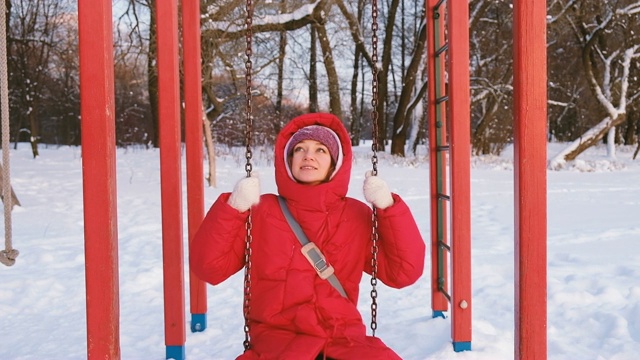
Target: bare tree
[
  {"x": 491, "y": 76},
  {"x": 223, "y": 41},
  {"x": 335, "y": 106},
  {"x": 356, "y": 120},
  {"x": 610, "y": 44},
  {"x": 33, "y": 31},
  {"x": 313, "y": 70},
  {"x": 411, "y": 93}
]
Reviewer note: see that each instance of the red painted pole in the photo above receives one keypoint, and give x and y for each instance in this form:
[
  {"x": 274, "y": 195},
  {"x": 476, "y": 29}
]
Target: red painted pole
[
  {"x": 530, "y": 159},
  {"x": 437, "y": 114},
  {"x": 97, "y": 111},
  {"x": 171, "y": 177},
  {"x": 193, "y": 139},
  {"x": 460, "y": 114}
]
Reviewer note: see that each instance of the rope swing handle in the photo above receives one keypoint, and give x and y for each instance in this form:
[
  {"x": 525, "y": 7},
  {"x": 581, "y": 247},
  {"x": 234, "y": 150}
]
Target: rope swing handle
[{"x": 9, "y": 254}]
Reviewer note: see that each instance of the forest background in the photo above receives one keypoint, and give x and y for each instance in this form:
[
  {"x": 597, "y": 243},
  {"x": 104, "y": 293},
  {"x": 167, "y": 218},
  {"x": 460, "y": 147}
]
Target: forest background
[{"x": 316, "y": 56}]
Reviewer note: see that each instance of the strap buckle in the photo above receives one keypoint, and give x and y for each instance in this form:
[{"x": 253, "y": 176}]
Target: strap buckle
[{"x": 317, "y": 260}]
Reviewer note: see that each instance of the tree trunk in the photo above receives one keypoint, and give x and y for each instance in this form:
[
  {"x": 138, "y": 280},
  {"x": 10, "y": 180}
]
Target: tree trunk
[
  {"x": 335, "y": 105},
  {"x": 152, "y": 76},
  {"x": 587, "y": 140},
  {"x": 611, "y": 142},
  {"x": 313, "y": 72},
  {"x": 281, "y": 56},
  {"x": 35, "y": 133},
  {"x": 211, "y": 150},
  {"x": 402, "y": 118},
  {"x": 383, "y": 73},
  {"x": 480, "y": 142},
  {"x": 630, "y": 137},
  {"x": 355, "y": 119}
]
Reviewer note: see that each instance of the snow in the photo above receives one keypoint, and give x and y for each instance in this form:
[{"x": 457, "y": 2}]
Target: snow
[{"x": 593, "y": 268}]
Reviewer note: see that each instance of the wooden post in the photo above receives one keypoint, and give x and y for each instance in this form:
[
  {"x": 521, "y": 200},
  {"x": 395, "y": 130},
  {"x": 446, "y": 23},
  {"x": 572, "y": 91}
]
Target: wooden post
[
  {"x": 97, "y": 111},
  {"x": 171, "y": 177},
  {"x": 193, "y": 138},
  {"x": 530, "y": 159},
  {"x": 460, "y": 115}
]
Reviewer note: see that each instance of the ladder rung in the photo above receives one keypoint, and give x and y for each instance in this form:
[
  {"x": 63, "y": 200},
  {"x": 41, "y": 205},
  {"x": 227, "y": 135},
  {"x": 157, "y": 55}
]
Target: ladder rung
[
  {"x": 442, "y": 49},
  {"x": 443, "y": 197},
  {"x": 442, "y": 148},
  {"x": 444, "y": 245},
  {"x": 442, "y": 99}
]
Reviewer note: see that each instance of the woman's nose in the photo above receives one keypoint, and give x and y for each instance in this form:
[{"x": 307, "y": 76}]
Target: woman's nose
[{"x": 308, "y": 155}]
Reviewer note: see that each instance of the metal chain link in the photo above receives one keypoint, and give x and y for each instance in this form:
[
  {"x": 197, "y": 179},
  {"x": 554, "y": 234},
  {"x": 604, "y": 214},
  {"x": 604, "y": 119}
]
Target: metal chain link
[
  {"x": 246, "y": 305},
  {"x": 374, "y": 162}
]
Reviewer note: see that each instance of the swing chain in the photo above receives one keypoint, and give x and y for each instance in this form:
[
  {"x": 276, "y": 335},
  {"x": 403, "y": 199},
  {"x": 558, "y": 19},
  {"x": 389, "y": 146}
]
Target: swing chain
[
  {"x": 374, "y": 272},
  {"x": 246, "y": 305},
  {"x": 374, "y": 162},
  {"x": 374, "y": 85},
  {"x": 248, "y": 81}
]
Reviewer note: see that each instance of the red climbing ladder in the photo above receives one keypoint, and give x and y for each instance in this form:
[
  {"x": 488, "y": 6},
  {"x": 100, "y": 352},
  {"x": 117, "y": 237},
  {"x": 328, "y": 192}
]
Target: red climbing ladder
[{"x": 450, "y": 153}]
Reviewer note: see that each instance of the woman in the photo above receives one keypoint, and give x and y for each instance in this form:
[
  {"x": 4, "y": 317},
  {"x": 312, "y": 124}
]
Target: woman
[{"x": 295, "y": 313}]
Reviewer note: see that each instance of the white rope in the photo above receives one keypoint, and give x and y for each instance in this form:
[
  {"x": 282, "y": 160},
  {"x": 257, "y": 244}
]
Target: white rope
[{"x": 9, "y": 254}]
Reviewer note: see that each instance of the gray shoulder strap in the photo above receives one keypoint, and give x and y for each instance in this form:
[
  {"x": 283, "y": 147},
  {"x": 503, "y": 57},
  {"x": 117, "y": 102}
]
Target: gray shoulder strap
[{"x": 311, "y": 251}]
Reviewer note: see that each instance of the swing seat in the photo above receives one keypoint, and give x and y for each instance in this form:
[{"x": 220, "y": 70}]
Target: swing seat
[{"x": 8, "y": 257}]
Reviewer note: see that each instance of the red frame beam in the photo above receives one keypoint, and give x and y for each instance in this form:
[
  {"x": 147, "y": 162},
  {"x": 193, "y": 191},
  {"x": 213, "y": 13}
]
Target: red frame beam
[
  {"x": 530, "y": 159},
  {"x": 171, "y": 176},
  {"x": 193, "y": 138},
  {"x": 97, "y": 109},
  {"x": 460, "y": 170}
]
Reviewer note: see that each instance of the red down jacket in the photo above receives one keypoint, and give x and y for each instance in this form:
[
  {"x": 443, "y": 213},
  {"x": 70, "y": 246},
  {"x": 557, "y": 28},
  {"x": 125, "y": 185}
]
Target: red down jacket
[{"x": 294, "y": 313}]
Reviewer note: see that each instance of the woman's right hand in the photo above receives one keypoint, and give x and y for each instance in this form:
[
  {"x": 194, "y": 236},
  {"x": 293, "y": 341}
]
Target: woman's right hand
[{"x": 245, "y": 194}]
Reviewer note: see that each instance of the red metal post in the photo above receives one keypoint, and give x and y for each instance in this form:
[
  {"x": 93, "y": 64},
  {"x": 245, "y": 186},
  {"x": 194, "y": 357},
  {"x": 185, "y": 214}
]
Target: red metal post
[
  {"x": 193, "y": 139},
  {"x": 171, "y": 177},
  {"x": 460, "y": 114},
  {"x": 439, "y": 302},
  {"x": 530, "y": 159},
  {"x": 99, "y": 178}
]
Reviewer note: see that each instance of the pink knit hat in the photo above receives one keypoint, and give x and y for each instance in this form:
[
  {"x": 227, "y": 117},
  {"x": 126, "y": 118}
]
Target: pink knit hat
[{"x": 319, "y": 133}]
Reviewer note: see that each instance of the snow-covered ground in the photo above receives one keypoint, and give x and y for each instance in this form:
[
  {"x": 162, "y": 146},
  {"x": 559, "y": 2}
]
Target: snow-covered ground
[{"x": 593, "y": 262}]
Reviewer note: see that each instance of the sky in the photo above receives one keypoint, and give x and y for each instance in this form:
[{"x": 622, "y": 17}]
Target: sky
[{"x": 593, "y": 274}]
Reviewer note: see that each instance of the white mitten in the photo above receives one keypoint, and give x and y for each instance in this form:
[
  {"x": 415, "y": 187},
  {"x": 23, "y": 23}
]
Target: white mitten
[
  {"x": 376, "y": 191},
  {"x": 245, "y": 194}
]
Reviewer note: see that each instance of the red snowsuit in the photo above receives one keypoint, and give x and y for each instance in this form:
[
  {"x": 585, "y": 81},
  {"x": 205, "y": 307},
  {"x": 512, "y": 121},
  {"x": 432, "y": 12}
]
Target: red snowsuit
[{"x": 294, "y": 313}]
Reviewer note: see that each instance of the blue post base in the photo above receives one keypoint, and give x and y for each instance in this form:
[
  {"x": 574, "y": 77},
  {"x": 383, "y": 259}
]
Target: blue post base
[
  {"x": 462, "y": 346},
  {"x": 437, "y": 313},
  {"x": 198, "y": 322},
  {"x": 175, "y": 352}
]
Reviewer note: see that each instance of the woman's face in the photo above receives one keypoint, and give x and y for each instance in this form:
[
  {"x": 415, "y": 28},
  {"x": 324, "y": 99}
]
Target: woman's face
[{"x": 310, "y": 162}]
